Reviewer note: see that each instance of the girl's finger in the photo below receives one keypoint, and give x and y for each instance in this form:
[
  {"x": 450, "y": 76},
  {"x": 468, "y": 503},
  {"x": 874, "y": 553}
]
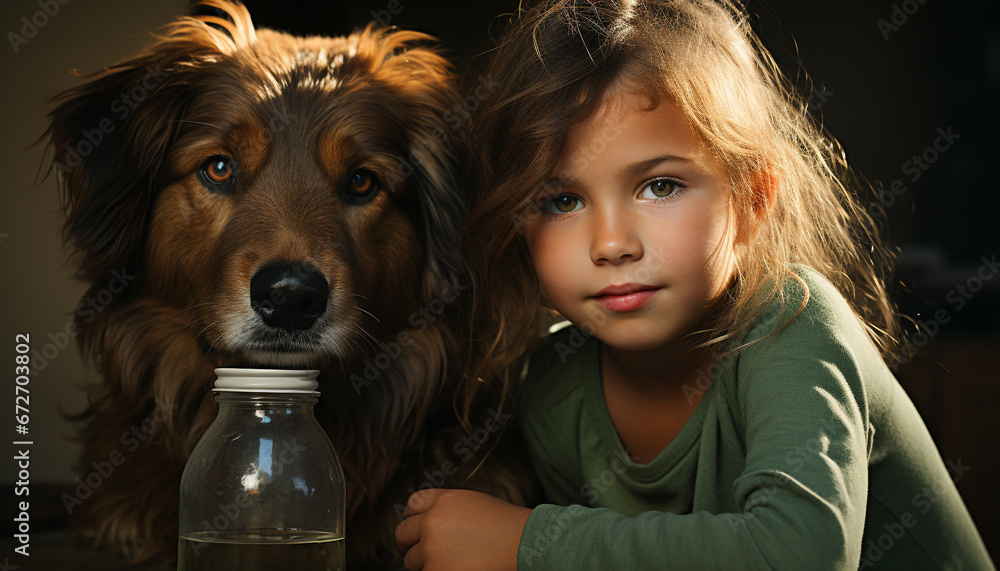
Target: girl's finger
[
  {"x": 408, "y": 533},
  {"x": 421, "y": 501},
  {"x": 414, "y": 559}
]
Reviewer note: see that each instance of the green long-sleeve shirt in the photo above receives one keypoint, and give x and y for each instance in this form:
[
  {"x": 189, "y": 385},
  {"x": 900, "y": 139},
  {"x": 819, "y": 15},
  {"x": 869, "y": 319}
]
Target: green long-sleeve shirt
[{"x": 804, "y": 452}]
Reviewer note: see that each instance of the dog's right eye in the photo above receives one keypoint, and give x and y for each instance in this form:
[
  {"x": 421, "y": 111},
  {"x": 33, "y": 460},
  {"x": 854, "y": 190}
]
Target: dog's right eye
[
  {"x": 217, "y": 174},
  {"x": 362, "y": 186}
]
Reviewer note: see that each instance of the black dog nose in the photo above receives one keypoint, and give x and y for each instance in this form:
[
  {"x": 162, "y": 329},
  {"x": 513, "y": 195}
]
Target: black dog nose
[{"x": 289, "y": 296}]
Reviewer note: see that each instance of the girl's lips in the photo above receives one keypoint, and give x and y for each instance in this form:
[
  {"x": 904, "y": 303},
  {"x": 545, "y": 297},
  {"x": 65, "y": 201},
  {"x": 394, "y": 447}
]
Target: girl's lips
[{"x": 630, "y": 301}]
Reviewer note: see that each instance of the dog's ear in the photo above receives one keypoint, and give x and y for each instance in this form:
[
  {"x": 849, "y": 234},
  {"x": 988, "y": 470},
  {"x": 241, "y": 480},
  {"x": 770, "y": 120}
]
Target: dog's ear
[
  {"x": 111, "y": 135},
  {"x": 436, "y": 124}
]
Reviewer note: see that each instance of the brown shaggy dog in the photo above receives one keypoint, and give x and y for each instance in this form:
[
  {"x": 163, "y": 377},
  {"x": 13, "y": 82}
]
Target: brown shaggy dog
[{"x": 257, "y": 199}]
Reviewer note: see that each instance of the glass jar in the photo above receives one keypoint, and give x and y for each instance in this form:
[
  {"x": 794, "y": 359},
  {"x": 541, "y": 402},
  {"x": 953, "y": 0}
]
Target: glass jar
[{"x": 263, "y": 488}]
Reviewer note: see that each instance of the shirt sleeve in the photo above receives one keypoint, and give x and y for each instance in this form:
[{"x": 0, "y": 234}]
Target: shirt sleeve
[{"x": 803, "y": 490}]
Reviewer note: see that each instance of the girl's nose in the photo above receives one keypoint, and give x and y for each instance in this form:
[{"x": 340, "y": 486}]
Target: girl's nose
[{"x": 615, "y": 239}]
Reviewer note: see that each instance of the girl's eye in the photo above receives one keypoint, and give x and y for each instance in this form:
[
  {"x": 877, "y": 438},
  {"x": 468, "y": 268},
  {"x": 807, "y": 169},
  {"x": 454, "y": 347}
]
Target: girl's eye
[
  {"x": 562, "y": 204},
  {"x": 363, "y": 185},
  {"x": 660, "y": 188},
  {"x": 218, "y": 173}
]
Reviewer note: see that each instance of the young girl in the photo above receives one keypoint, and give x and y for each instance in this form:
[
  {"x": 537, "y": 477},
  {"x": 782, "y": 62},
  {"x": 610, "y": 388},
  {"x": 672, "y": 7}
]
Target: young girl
[{"x": 722, "y": 399}]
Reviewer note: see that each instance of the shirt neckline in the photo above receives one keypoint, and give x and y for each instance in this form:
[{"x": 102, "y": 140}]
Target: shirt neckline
[{"x": 670, "y": 456}]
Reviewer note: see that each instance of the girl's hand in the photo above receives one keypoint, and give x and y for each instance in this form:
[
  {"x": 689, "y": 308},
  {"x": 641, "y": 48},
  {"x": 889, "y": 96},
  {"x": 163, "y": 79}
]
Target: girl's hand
[{"x": 461, "y": 530}]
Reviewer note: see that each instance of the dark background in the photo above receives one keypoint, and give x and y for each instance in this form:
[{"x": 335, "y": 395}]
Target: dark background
[{"x": 883, "y": 92}]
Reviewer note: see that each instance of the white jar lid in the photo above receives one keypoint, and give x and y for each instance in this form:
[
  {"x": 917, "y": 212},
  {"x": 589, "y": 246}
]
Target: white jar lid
[{"x": 266, "y": 380}]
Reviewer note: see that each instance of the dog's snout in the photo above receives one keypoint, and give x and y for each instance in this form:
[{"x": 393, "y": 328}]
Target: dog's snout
[{"x": 288, "y": 295}]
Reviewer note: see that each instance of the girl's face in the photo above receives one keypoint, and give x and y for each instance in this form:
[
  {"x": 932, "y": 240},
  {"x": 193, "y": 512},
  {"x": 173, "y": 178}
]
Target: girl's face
[{"x": 634, "y": 238}]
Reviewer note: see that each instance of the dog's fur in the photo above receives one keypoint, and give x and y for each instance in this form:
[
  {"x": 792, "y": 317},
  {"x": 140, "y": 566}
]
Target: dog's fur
[{"x": 296, "y": 118}]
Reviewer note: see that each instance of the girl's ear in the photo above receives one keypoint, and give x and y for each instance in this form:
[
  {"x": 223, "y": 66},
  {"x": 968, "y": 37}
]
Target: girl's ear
[
  {"x": 765, "y": 185},
  {"x": 763, "y": 190}
]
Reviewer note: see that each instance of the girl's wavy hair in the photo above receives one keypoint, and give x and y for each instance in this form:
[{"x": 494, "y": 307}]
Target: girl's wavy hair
[{"x": 557, "y": 63}]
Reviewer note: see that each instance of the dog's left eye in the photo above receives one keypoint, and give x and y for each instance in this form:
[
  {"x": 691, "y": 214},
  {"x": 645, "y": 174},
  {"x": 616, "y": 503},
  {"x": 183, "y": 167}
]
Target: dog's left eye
[
  {"x": 217, "y": 173},
  {"x": 363, "y": 185}
]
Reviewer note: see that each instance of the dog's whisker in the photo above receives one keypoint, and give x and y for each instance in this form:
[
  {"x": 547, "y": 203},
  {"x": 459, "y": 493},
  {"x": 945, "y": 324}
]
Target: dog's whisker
[
  {"x": 197, "y": 319},
  {"x": 211, "y": 345},
  {"x": 368, "y": 313},
  {"x": 375, "y": 322},
  {"x": 363, "y": 298},
  {"x": 202, "y": 332},
  {"x": 363, "y": 335}
]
